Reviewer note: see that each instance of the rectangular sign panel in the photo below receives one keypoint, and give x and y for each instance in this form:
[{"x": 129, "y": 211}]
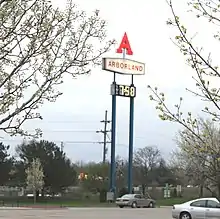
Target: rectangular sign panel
[
  {"x": 123, "y": 66},
  {"x": 123, "y": 90}
]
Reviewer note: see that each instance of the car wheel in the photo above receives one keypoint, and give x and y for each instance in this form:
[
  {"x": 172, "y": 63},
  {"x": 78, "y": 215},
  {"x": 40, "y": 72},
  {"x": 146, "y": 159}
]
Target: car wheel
[
  {"x": 151, "y": 205},
  {"x": 185, "y": 215},
  {"x": 134, "y": 205},
  {"x": 121, "y": 206}
]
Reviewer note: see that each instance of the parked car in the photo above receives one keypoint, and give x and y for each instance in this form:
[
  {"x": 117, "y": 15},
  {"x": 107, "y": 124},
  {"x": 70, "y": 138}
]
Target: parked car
[
  {"x": 135, "y": 201},
  {"x": 202, "y": 208}
]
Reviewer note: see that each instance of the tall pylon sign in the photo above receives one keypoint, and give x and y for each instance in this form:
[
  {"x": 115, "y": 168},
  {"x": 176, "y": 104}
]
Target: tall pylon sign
[{"x": 126, "y": 67}]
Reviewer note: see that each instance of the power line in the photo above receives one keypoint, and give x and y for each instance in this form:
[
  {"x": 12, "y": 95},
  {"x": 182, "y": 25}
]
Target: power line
[
  {"x": 105, "y": 132},
  {"x": 56, "y": 141},
  {"x": 62, "y": 143},
  {"x": 65, "y": 131},
  {"x": 67, "y": 121}
]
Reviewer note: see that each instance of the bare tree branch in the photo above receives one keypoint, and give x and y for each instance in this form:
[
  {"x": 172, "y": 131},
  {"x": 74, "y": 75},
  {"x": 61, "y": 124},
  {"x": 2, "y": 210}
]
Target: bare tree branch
[
  {"x": 199, "y": 142},
  {"x": 205, "y": 71},
  {"x": 201, "y": 159},
  {"x": 145, "y": 160},
  {"x": 39, "y": 45}
]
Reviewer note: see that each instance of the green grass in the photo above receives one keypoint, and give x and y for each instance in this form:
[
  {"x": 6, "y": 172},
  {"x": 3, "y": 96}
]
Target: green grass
[
  {"x": 58, "y": 204},
  {"x": 82, "y": 203},
  {"x": 171, "y": 201}
]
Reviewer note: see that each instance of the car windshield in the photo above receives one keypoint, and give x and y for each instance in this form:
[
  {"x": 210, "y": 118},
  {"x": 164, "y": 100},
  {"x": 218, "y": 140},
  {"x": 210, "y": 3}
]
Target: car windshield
[{"x": 127, "y": 196}]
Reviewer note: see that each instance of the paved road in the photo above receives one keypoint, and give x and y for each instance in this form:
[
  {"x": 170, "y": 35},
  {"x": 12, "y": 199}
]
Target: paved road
[{"x": 87, "y": 213}]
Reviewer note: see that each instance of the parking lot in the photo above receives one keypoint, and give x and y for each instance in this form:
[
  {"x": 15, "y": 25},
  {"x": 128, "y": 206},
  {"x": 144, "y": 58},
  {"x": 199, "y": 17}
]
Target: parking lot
[{"x": 84, "y": 213}]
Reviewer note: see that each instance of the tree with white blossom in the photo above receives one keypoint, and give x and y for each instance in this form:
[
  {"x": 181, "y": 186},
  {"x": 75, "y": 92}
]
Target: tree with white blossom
[
  {"x": 35, "y": 177},
  {"x": 40, "y": 46}
]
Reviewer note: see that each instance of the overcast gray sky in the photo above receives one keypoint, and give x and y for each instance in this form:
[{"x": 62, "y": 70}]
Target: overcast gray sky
[{"x": 76, "y": 116}]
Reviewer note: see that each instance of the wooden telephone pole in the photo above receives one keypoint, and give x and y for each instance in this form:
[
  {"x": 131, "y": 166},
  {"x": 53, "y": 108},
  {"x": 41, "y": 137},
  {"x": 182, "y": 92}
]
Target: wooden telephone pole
[{"x": 105, "y": 132}]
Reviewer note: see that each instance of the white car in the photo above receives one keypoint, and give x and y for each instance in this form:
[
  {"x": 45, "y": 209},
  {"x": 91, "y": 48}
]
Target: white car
[
  {"x": 203, "y": 208},
  {"x": 135, "y": 201}
]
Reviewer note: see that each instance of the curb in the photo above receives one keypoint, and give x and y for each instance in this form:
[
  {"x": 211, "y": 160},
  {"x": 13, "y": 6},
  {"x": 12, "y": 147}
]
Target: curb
[
  {"x": 33, "y": 208},
  {"x": 13, "y": 208},
  {"x": 164, "y": 206}
]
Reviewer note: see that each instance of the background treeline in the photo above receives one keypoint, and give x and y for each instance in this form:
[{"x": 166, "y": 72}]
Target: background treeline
[
  {"x": 60, "y": 172},
  {"x": 195, "y": 164}
]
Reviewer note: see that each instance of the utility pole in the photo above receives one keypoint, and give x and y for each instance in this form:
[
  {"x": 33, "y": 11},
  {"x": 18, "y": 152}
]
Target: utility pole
[
  {"x": 61, "y": 146},
  {"x": 105, "y": 132}
]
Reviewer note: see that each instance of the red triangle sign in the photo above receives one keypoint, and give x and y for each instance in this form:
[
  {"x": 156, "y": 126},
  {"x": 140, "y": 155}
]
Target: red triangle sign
[{"x": 125, "y": 44}]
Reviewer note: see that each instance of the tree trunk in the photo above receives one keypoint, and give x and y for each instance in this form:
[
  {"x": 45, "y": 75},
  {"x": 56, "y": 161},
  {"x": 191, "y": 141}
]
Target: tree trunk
[
  {"x": 35, "y": 196},
  {"x": 211, "y": 191},
  {"x": 218, "y": 190},
  {"x": 143, "y": 189},
  {"x": 42, "y": 193},
  {"x": 201, "y": 191}
]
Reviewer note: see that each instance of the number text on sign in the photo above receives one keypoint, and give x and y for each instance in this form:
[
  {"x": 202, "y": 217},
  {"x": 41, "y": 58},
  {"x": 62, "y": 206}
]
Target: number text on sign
[{"x": 123, "y": 90}]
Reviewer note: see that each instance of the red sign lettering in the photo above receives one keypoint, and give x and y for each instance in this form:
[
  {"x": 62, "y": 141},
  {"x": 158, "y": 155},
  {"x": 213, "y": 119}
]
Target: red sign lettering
[
  {"x": 125, "y": 45},
  {"x": 121, "y": 65}
]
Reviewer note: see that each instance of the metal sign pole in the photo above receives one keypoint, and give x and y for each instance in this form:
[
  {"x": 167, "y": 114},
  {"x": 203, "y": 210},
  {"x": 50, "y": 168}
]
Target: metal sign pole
[
  {"x": 131, "y": 139},
  {"x": 126, "y": 67},
  {"x": 113, "y": 131},
  {"x": 113, "y": 136},
  {"x": 131, "y": 135}
]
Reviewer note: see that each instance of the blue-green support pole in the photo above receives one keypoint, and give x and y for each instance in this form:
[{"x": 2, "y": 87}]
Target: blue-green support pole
[
  {"x": 113, "y": 129},
  {"x": 131, "y": 139}
]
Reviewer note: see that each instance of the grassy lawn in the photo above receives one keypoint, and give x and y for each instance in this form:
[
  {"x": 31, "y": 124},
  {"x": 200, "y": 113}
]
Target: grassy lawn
[
  {"x": 58, "y": 204},
  {"x": 171, "y": 201},
  {"x": 82, "y": 203}
]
